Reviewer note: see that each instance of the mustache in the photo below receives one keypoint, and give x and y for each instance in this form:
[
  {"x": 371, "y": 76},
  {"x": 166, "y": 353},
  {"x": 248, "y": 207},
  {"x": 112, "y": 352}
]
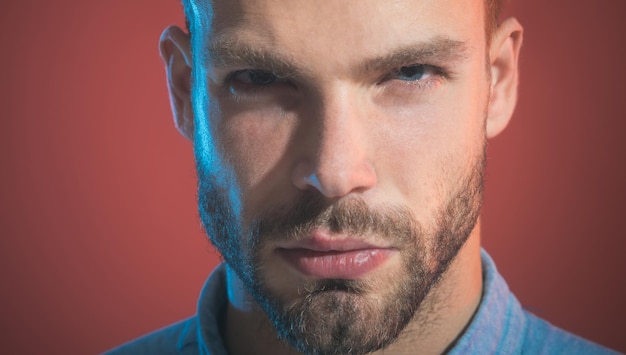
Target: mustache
[{"x": 351, "y": 215}]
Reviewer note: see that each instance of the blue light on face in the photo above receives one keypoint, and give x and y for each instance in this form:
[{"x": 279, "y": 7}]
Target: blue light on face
[{"x": 208, "y": 161}]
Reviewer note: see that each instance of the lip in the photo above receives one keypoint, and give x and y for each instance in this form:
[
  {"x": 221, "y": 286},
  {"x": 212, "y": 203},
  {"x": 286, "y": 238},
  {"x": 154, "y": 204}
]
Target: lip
[{"x": 324, "y": 256}]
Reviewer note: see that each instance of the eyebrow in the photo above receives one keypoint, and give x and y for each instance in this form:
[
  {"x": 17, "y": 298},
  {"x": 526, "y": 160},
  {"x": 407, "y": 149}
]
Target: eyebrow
[
  {"x": 437, "y": 51},
  {"x": 233, "y": 53}
]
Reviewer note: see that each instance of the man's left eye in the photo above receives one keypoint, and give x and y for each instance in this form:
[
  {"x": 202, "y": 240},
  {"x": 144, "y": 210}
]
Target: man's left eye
[{"x": 414, "y": 72}]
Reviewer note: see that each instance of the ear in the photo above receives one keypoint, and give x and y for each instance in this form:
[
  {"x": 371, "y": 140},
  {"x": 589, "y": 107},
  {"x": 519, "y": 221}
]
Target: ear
[
  {"x": 504, "y": 58},
  {"x": 176, "y": 54}
]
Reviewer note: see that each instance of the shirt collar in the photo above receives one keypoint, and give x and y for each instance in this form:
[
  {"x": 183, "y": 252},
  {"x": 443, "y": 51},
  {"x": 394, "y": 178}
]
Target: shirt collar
[{"x": 499, "y": 315}]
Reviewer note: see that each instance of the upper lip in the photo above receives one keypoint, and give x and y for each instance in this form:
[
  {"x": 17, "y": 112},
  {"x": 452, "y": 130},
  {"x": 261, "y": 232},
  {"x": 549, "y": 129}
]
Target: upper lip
[{"x": 321, "y": 240}]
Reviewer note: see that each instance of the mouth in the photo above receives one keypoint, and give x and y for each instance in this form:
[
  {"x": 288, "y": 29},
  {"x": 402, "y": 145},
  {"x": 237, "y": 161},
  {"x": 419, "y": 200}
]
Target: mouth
[{"x": 325, "y": 256}]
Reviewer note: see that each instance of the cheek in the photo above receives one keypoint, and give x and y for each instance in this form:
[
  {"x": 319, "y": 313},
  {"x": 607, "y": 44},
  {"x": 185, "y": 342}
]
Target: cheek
[
  {"x": 256, "y": 145},
  {"x": 428, "y": 148}
]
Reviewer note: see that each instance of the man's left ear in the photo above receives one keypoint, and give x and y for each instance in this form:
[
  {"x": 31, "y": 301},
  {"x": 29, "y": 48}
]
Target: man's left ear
[{"x": 504, "y": 58}]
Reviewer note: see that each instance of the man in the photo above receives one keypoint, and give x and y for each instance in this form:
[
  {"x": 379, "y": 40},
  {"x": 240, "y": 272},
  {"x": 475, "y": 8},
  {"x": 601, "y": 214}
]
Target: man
[{"x": 340, "y": 150}]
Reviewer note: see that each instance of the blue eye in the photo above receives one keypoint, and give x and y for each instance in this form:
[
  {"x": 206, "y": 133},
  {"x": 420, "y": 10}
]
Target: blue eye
[{"x": 412, "y": 73}]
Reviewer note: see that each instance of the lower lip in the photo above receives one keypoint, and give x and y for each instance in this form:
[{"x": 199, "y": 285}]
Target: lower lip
[{"x": 350, "y": 264}]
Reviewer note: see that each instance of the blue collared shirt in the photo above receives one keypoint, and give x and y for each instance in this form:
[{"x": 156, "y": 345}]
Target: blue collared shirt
[{"x": 500, "y": 326}]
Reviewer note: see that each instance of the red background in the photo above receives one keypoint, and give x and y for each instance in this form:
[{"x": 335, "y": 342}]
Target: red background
[{"x": 100, "y": 240}]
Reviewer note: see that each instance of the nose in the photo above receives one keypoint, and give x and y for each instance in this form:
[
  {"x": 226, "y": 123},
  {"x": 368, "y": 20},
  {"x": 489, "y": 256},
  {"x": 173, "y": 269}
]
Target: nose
[{"x": 337, "y": 154}]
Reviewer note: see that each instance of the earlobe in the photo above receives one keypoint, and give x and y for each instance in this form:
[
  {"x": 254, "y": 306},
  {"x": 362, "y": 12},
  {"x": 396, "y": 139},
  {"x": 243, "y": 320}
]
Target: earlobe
[
  {"x": 176, "y": 54},
  {"x": 504, "y": 58}
]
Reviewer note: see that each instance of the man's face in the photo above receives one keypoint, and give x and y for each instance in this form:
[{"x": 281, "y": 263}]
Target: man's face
[{"x": 340, "y": 152}]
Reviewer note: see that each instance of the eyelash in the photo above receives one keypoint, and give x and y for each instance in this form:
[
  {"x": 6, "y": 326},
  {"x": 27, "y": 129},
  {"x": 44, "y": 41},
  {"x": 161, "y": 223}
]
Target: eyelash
[
  {"x": 247, "y": 90},
  {"x": 435, "y": 75}
]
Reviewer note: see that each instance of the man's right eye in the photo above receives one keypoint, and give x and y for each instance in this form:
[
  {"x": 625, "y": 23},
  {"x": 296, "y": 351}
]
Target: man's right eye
[{"x": 253, "y": 77}]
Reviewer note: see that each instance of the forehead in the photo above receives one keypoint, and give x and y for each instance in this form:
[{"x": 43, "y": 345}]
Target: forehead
[{"x": 339, "y": 30}]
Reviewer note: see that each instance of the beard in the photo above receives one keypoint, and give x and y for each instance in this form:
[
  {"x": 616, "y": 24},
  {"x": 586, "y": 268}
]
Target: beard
[{"x": 343, "y": 316}]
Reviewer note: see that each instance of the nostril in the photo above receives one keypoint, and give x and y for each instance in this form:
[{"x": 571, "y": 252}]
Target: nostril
[
  {"x": 334, "y": 182},
  {"x": 313, "y": 181},
  {"x": 303, "y": 175}
]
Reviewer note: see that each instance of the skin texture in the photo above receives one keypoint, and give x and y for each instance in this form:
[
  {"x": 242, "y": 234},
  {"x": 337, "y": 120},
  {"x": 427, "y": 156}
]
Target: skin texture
[{"x": 341, "y": 139}]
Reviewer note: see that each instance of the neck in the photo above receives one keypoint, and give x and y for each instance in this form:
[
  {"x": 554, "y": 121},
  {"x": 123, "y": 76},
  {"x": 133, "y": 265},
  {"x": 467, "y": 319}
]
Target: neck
[
  {"x": 442, "y": 318},
  {"x": 248, "y": 330}
]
